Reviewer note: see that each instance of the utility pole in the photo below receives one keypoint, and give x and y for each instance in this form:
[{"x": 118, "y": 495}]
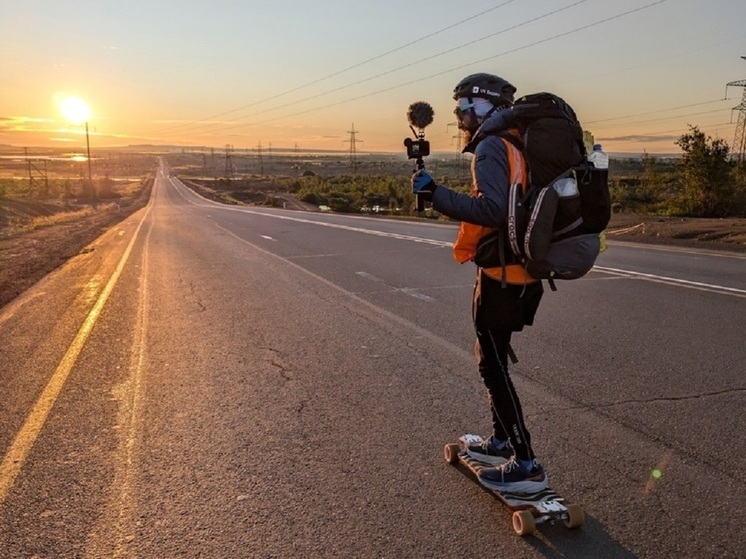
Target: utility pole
[
  {"x": 228, "y": 161},
  {"x": 353, "y": 149},
  {"x": 261, "y": 161},
  {"x": 739, "y": 139},
  {"x": 32, "y": 167},
  {"x": 88, "y": 149},
  {"x": 30, "y": 176}
]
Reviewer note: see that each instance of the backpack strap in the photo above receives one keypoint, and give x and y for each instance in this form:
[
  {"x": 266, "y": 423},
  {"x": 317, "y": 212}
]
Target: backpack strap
[
  {"x": 512, "y": 355},
  {"x": 518, "y": 184},
  {"x": 503, "y": 262},
  {"x": 513, "y": 138},
  {"x": 512, "y": 272},
  {"x": 517, "y": 169}
]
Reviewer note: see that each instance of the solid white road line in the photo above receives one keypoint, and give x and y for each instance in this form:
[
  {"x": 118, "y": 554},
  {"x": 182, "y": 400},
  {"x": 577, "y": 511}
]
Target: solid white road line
[
  {"x": 672, "y": 281},
  {"x": 614, "y": 271}
]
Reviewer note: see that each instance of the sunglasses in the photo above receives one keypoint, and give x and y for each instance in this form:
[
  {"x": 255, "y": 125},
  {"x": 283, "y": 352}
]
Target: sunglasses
[{"x": 462, "y": 105}]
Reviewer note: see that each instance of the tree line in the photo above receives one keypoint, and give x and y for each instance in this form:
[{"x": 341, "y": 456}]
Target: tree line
[{"x": 703, "y": 182}]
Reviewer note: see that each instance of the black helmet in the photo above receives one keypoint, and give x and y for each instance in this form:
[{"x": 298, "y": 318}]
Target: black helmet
[{"x": 487, "y": 86}]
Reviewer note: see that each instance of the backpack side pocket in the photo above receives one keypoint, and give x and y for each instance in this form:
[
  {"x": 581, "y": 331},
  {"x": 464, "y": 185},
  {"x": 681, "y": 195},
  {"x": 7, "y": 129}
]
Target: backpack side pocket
[
  {"x": 593, "y": 185},
  {"x": 569, "y": 218},
  {"x": 540, "y": 224}
]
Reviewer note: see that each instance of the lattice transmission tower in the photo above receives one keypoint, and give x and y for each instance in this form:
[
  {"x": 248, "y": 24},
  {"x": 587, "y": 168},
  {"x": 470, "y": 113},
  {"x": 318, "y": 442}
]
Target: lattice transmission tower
[
  {"x": 460, "y": 159},
  {"x": 739, "y": 139},
  {"x": 353, "y": 149}
]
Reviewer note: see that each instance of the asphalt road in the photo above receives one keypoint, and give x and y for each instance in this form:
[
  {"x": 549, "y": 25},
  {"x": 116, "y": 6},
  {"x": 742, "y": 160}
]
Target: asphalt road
[{"x": 231, "y": 382}]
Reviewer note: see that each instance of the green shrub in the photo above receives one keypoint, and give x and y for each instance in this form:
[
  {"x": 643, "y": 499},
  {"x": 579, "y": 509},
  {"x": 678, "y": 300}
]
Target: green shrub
[{"x": 705, "y": 175}]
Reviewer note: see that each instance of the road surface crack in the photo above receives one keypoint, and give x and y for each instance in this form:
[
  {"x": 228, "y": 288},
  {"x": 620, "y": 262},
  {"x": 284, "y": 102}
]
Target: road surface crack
[{"x": 668, "y": 398}]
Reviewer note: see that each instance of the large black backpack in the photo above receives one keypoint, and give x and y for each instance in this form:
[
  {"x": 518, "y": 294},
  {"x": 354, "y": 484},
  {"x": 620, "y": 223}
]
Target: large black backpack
[{"x": 555, "y": 220}]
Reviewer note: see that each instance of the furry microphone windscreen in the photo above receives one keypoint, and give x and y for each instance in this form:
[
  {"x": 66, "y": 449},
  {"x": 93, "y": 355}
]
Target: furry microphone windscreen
[{"x": 420, "y": 114}]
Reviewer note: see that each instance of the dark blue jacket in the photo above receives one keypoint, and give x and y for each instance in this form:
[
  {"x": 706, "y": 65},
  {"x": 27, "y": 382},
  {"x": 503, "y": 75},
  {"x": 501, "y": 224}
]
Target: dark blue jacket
[{"x": 491, "y": 178}]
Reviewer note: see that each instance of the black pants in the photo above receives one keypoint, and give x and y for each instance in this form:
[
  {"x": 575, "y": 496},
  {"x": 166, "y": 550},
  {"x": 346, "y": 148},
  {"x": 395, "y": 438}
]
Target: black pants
[{"x": 498, "y": 312}]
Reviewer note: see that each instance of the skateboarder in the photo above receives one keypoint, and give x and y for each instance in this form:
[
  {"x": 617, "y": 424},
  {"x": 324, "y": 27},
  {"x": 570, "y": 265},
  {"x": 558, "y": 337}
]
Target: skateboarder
[{"x": 505, "y": 298}]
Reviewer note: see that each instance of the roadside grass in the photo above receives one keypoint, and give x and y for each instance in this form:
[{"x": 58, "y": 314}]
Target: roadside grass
[{"x": 58, "y": 218}]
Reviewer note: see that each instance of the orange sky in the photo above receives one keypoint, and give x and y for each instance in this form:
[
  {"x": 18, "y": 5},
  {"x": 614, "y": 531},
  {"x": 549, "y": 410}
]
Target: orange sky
[{"x": 636, "y": 73}]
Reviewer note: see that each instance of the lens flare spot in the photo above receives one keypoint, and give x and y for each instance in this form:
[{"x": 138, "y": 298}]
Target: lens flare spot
[{"x": 657, "y": 472}]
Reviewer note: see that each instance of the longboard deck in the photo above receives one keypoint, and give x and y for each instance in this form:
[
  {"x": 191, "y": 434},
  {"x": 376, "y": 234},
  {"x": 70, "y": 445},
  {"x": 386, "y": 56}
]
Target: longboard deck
[{"x": 528, "y": 509}]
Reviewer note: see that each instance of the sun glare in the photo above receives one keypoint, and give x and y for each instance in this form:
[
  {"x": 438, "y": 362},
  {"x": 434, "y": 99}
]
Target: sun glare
[{"x": 75, "y": 110}]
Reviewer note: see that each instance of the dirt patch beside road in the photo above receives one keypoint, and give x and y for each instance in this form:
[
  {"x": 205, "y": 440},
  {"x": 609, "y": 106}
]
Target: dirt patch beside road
[
  {"x": 727, "y": 234},
  {"x": 27, "y": 256}
]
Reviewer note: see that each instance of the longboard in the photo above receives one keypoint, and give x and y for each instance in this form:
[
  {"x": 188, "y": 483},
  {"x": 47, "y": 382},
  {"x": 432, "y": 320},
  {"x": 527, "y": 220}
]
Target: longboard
[{"x": 528, "y": 509}]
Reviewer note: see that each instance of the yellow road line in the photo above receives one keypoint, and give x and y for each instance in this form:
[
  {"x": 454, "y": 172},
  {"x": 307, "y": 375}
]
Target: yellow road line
[{"x": 26, "y": 437}]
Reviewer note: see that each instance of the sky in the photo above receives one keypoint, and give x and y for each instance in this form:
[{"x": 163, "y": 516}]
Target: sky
[{"x": 302, "y": 75}]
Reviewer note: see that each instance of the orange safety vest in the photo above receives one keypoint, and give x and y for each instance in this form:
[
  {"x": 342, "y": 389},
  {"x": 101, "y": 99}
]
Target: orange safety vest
[{"x": 469, "y": 234}]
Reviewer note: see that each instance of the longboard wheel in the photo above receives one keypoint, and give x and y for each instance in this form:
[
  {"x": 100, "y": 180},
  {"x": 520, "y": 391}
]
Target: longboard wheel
[
  {"x": 575, "y": 516},
  {"x": 523, "y": 522},
  {"x": 451, "y": 453}
]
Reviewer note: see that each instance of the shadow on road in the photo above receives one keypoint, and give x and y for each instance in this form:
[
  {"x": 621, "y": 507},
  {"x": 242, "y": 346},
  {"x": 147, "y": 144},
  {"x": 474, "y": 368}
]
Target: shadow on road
[
  {"x": 592, "y": 540},
  {"x": 555, "y": 541}
]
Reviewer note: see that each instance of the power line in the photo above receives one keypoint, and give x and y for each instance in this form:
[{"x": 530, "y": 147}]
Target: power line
[
  {"x": 431, "y": 57},
  {"x": 660, "y": 133},
  {"x": 437, "y": 74},
  {"x": 662, "y": 119},
  {"x": 417, "y": 80},
  {"x": 654, "y": 62},
  {"x": 357, "y": 65},
  {"x": 656, "y": 112}
]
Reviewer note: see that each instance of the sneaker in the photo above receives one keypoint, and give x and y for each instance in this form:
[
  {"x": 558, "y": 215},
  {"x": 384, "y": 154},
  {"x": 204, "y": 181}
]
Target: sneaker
[
  {"x": 488, "y": 453},
  {"x": 514, "y": 478}
]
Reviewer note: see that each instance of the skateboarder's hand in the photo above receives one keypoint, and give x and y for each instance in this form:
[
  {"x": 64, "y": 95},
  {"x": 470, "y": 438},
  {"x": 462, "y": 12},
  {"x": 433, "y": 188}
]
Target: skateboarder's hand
[{"x": 423, "y": 184}]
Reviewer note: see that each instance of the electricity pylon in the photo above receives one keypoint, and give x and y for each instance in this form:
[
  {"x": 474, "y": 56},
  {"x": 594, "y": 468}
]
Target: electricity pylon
[
  {"x": 353, "y": 150},
  {"x": 739, "y": 139},
  {"x": 459, "y": 137}
]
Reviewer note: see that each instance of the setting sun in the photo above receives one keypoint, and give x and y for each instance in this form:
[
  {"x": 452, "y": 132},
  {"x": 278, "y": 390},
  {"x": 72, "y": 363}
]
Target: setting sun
[{"x": 75, "y": 110}]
